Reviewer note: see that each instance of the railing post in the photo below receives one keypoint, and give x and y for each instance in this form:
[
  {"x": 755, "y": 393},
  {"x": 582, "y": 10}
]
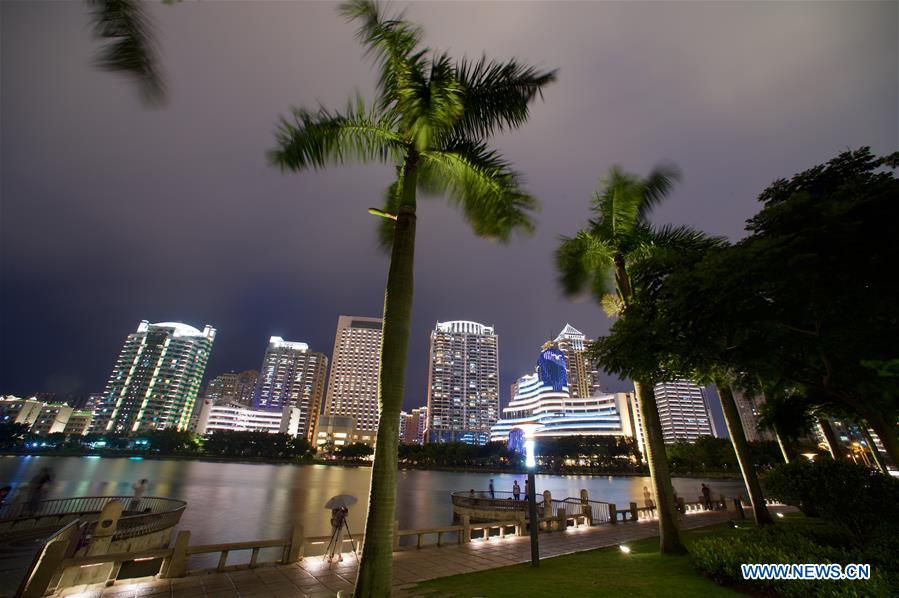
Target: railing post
[
  {"x": 681, "y": 505},
  {"x": 177, "y": 562},
  {"x": 563, "y": 520},
  {"x": 466, "y": 528},
  {"x": 105, "y": 528},
  {"x": 46, "y": 569},
  {"x": 724, "y": 502},
  {"x": 613, "y": 513},
  {"x": 585, "y": 509},
  {"x": 633, "y": 511},
  {"x": 294, "y": 550},
  {"x": 520, "y": 524},
  {"x": 396, "y": 535}
]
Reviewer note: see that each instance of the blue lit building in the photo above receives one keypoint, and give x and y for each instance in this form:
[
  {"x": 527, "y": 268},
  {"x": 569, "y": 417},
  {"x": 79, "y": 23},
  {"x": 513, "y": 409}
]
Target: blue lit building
[{"x": 542, "y": 399}]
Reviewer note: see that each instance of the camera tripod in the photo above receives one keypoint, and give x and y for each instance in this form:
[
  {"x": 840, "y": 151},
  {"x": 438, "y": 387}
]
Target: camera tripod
[{"x": 334, "y": 545}]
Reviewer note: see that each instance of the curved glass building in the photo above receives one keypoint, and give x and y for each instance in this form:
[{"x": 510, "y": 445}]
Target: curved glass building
[{"x": 542, "y": 402}]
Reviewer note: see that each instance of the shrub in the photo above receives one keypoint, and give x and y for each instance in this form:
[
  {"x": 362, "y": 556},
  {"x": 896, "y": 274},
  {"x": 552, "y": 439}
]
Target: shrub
[
  {"x": 865, "y": 501},
  {"x": 798, "y": 542}
]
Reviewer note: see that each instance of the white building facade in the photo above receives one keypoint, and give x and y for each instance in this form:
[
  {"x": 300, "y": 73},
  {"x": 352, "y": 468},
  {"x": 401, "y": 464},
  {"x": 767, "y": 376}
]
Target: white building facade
[
  {"x": 353, "y": 381},
  {"x": 683, "y": 411}
]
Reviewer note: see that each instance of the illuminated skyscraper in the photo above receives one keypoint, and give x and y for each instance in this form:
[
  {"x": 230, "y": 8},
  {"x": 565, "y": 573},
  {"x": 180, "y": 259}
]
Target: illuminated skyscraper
[
  {"x": 155, "y": 381},
  {"x": 683, "y": 411},
  {"x": 463, "y": 382},
  {"x": 353, "y": 382},
  {"x": 582, "y": 378},
  {"x": 748, "y": 406},
  {"x": 232, "y": 387},
  {"x": 292, "y": 375}
]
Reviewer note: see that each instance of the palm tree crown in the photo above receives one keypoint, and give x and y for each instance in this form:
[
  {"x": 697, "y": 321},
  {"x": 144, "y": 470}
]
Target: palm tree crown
[{"x": 431, "y": 112}]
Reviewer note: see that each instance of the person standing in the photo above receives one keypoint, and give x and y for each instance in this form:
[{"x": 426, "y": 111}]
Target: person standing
[
  {"x": 647, "y": 498},
  {"x": 527, "y": 490},
  {"x": 139, "y": 490},
  {"x": 707, "y": 497},
  {"x": 38, "y": 489},
  {"x": 516, "y": 490},
  {"x": 492, "y": 493}
]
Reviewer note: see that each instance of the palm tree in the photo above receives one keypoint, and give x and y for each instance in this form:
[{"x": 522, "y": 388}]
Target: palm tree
[
  {"x": 618, "y": 235},
  {"x": 431, "y": 119},
  {"x": 128, "y": 45}
]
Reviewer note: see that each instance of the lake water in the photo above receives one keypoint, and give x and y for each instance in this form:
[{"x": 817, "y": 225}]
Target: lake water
[{"x": 229, "y": 502}]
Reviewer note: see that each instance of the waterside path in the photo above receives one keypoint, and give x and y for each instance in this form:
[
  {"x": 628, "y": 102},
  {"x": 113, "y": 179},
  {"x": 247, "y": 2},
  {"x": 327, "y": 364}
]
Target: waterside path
[{"x": 311, "y": 577}]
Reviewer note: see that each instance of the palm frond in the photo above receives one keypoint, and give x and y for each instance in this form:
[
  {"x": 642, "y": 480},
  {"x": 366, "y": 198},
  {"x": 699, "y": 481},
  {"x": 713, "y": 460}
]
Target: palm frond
[
  {"x": 392, "y": 41},
  {"x": 497, "y": 95},
  {"x": 656, "y": 187},
  {"x": 584, "y": 262},
  {"x": 683, "y": 239},
  {"x": 482, "y": 184},
  {"x": 127, "y": 35},
  {"x": 430, "y": 102},
  {"x": 313, "y": 139},
  {"x": 626, "y": 199}
]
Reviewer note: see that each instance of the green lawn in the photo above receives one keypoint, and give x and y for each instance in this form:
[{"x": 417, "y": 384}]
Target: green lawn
[{"x": 606, "y": 571}]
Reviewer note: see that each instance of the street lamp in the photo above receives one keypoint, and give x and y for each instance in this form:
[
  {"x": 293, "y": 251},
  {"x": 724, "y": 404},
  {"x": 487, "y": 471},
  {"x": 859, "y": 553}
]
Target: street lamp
[{"x": 530, "y": 463}]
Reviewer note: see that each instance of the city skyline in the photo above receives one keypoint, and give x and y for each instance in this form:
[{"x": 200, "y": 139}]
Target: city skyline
[{"x": 182, "y": 218}]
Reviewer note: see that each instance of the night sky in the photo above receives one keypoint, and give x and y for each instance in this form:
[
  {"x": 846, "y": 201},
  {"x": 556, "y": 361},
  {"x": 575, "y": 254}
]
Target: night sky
[{"x": 112, "y": 213}]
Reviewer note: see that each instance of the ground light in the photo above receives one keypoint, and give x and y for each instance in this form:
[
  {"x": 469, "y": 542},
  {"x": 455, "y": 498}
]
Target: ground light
[
  {"x": 624, "y": 549},
  {"x": 780, "y": 515}
]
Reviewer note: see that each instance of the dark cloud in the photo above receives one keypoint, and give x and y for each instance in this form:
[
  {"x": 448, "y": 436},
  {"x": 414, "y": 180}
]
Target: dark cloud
[{"x": 112, "y": 213}]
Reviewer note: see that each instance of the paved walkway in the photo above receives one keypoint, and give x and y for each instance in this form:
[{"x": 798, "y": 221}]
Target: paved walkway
[{"x": 314, "y": 578}]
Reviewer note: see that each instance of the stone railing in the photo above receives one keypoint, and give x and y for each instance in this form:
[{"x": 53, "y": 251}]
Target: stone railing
[{"x": 139, "y": 517}]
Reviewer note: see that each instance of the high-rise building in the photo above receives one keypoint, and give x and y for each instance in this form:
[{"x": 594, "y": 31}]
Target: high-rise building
[
  {"x": 417, "y": 425},
  {"x": 748, "y": 406},
  {"x": 353, "y": 382},
  {"x": 405, "y": 426},
  {"x": 232, "y": 387},
  {"x": 683, "y": 411},
  {"x": 463, "y": 382},
  {"x": 221, "y": 388},
  {"x": 156, "y": 379},
  {"x": 571, "y": 342},
  {"x": 292, "y": 375}
]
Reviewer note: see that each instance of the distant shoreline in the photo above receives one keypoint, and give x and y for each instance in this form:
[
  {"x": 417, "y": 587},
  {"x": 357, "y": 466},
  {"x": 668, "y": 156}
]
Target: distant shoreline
[{"x": 402, "y": 466}]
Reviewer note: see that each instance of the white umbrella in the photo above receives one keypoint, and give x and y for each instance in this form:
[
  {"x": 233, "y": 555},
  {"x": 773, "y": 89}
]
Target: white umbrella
[{"x": 341, "y": 500}]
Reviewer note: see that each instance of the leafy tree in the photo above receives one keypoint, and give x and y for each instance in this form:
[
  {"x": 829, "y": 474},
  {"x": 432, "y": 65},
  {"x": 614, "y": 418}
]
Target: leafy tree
[
  {"x": 615, "y": 241},
  {"x": 431, "y": 120},
  {"x": 355, "y": 451},
  {"x": 170, "y": 441},
  {"x": 12, "y": 435}
]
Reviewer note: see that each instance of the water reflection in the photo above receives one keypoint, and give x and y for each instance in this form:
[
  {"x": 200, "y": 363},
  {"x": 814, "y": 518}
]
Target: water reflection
[{"x": 240, "y": 501}]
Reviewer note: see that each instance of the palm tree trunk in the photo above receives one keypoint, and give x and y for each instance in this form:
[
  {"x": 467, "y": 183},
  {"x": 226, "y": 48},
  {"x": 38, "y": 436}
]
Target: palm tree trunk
[
  {"x": 786, "y": 449},
  {"x": 741, "y": 448},
  {"x": 654, "y": 449},
  {"x": 375, "y": 576},
  {"x": 833, "y": 444}
]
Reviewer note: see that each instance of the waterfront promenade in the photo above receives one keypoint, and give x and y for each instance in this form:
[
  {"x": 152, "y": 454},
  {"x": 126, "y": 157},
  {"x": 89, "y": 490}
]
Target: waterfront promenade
[{"x": 314, "y": 578}]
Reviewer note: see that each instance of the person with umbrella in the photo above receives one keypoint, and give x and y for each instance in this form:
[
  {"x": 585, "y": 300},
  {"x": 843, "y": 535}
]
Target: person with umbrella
[{"x": 340, "y": 507}]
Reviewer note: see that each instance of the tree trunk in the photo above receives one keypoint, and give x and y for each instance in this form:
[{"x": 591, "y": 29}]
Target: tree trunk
[
  {"x": 875, "y": 454},
  {"x": 375, "y": 577},
  {"x": 741, "y": 448},
  {"x": 786, "y": 448},
  {"x": 833, "y": 444},
  {"x": 886, "y": 430},
  {"x": 654, "y": 449}
]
